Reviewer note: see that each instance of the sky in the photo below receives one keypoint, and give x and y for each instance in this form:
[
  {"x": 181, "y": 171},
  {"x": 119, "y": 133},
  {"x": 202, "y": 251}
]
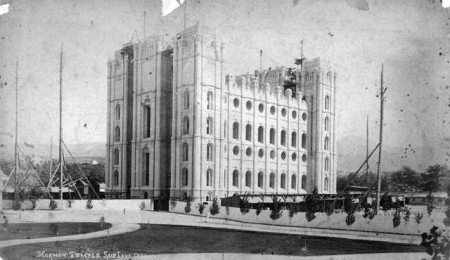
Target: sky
[{"x": 411, "y": 39}]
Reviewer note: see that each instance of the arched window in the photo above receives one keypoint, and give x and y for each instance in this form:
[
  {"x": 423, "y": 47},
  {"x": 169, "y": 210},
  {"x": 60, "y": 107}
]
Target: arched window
[
  {"x": 327, "y": 164},
  {"x": 304, "y": 182},
  {"x": 294, "y": 139},
  {"x": 147, "y": 121},
  {"x": 116, "y": 157},
  {"x": 261, "y": 134},
  {"x": 185, "y": 152},
  {"x": 186, "y": 100},
  {"x": 117, "y": 134},
  {"x": 272, "y": 136},
  {"x": 116, "y": 178},
  {"x": 186, "y": 125},
  {"x": 293, "y": 181},
  {"x": 146, "y": 168},
  {"x": 283, "y": 181},
  {"x": 236, "y": 130},
  {"x": 236, "y": 178},
  {"x": 283, "y": 138},
  {"x": 327, "y": 124},
  {"x": 248, "y": 132},
  {"x": 209, "y": 152},
  {"x": 303, "y": 140},
  {"x": 184, "y": 177},
  {"x": 209, "y": 126},
  {"x": 325, "y": 184},
  {"x": 117, "y": 112},
  {"x": 327, "y": 102},
  {"x": 260, "y": 179},
  {"x": 326, "y": 144},
  {"x": 209, "y": 177},
  {"x": 209, "y": 101},
  {"x": 272, "y": 180},
  {"x": 248, "y": 178}
]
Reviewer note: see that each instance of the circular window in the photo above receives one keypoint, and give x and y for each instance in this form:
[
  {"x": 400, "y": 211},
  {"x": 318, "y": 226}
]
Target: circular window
[
  {"x": 283, "y": 112},
  {"x": 304, "y": 157},
  {"x": 236, "y": 150},
  {"x": 272, "y": 154},
  {"x": 294, "y": 157},
  {"x": 236, "y": 102},
  {"x": 248, "y": 152},
  {"x": 272, "y": 110},
  {"x": 261, "y": 108},
  {"x": 261, "y": 153},
  {"x": 304, "y": 116},
  {"x": 283, "y": 155},
  {"x": 294, "y": 114},
  {"x": 249, "y": 105}
]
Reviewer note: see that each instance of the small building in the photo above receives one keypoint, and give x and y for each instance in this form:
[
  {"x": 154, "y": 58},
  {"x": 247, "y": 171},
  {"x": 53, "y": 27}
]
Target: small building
[{"x": 420, "y": 198}]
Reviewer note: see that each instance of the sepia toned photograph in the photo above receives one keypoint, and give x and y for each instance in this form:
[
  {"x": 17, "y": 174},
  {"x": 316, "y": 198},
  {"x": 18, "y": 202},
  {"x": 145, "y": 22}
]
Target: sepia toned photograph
[{"x": 225, "y": 129}]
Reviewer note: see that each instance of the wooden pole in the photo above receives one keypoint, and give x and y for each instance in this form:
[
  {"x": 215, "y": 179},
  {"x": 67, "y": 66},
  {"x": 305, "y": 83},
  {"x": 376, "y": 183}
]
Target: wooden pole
[
  {"x": 367, "y": 143},
  {"x": 16, "y": 154},
  {"x": 61, "y": 157},
  {"x": 381, "y": 140}
]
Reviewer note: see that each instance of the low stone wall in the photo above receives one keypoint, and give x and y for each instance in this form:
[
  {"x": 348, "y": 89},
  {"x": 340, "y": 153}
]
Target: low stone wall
[
  {"x": 380, "y": 223},
  {"x": 43, "y": 204}
]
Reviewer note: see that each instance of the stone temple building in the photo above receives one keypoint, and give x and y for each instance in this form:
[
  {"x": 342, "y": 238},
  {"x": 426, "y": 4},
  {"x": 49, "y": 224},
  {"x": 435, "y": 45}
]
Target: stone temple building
[{"x": 178, "y": 126}]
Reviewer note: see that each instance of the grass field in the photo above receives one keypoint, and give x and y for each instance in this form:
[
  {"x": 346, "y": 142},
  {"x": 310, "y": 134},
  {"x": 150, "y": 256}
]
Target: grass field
[
  {"x": 36, "y": 230},
  {"x": 160, "y": 239}
]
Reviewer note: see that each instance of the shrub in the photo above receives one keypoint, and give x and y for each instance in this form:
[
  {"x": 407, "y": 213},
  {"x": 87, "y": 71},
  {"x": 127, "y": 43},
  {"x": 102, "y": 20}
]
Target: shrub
[
  {"x": 54, "y": 227},
  {"x": 275, "y": 209},
  {"x": 187, "y": 209},
  {"x": 142, "y": 206},
  {"x": 70, "y": 203},
  {"x": 418, "y": 217},
  {"x": 201, "y": 207},
  {"x": 350, "y": 219},
  {"x": 214, "y": 209},
  {"x": 17, "y": 205},
  {"x": 102, "y": 221},
  {"x": 227, "y": 210},
  {"x": 349, "y": 207},
  {"x": 329, "y": 208},
  {"x": 173, "y": 203},
  {"x": 259, "y": 208},
  {"x": 53, "y": 204},
  {"x": 33, "y": 204},
  {"x": 385, "y": 202},
  {"x": 396, "y": 219},
  {"x": 311, "y": 204},
  {"x": 430, "y": 203},
  {"x": 292, "y": 210},
  {"x": 89, "y": 204},
  {"x": 244, "y": 205}
]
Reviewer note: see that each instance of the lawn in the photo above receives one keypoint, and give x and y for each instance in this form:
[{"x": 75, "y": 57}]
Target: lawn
[
  {"x": 159, "y": 239},
  {"x": 36, "y": 230}
]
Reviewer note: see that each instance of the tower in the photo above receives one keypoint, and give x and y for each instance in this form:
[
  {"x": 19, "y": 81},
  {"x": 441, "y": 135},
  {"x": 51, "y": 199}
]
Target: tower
[
  {"x": 319, "y": 88},
  {"x": 196, "y": 124}
]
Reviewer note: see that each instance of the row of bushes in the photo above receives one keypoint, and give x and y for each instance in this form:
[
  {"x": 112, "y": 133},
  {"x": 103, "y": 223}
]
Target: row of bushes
[{"x": 17, "y": 204}]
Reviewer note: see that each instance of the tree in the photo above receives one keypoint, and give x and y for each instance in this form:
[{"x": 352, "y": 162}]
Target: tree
[
  {"x": 214, "y": 209},
  {"x": 418, "y": 217},
  {"x": 173, "y": 203},
  {"x": 407, "y": 216},
  {"x": 187, "y": 208},
  {"x": 53, "y": 204},
  {"x": 142, "y": 206},
  {"x": 275, "y": 208},
  {"x": 312, "y": 201},
  {"x": 405, "y": 179},
  {"x": 292, "y": 211},
  {"x": 430, "y": 179},
  {"x": 201, "y": 207},
  {"x": 430, "y": 203},
  {"x": 259, "y": 208}
]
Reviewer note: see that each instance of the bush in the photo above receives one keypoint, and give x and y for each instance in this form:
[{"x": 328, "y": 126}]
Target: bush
[
  {"x": 33, "y": 204},
  {"x": 275, "y": 209},
  {"x": 201, "y": 207},
  {"x": 396, "y": 219},
  {"x": 214, "y": 209},
  {"x": 350, "y": 219},
  {"x": 89, "y": 204},
  {"x": 329, "y": 208},
  {"x": 430, "y": 203},
  {"x": 418, "y": 217},
  {"x": 311, "y": 204},
  {"x": 173, "y": 203},
  {"x": 142, "y": 206},
  {"x": 70, "y": 203},
  {"x": 259, "y": 208},
  {"x": 102, "y": 221},
  {"x": 53, "y": 204},
  {"x": 244, "y": 205},
  {"x": 187, "y": 209}
]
